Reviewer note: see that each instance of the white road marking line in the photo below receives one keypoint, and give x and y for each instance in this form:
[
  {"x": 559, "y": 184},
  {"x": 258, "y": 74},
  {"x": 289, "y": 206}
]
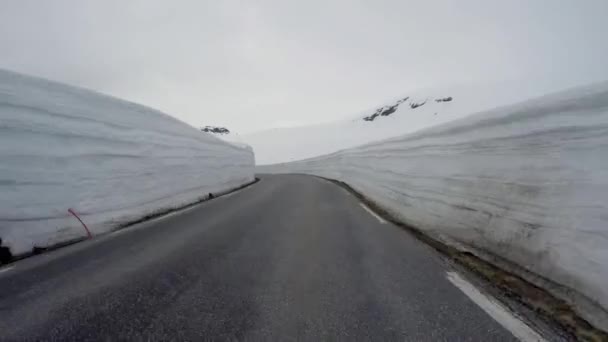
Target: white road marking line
[
  {"x": 372, "y": 213},
  {"x": 6, "y": 269},
  {"x": 500, "y": 314}
]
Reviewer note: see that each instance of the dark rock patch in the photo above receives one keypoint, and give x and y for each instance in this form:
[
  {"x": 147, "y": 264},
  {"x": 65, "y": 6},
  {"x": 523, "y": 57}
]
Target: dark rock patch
[
  {"x": 5, "y": 254},
  {"x": 386, "y": 110},
  {"x": 389, "y": 110},
  {"x": 415, "y": 105},
  {"x": 215, "y": 130},
  {"x": 38, "y": 250}
]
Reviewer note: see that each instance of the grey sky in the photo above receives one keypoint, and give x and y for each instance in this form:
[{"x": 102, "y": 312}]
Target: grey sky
[{"x": 250, "y": 65}]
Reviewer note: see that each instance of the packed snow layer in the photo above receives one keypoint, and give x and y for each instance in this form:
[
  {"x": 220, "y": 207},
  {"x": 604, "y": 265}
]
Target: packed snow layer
[
  {"x": 527, "y": 183},
  {"x": 110, "y": 160},
  {"x": 420, "y": 110}
]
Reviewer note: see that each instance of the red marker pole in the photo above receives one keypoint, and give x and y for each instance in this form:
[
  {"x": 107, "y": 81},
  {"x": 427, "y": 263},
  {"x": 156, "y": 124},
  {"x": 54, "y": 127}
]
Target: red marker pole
[{"x": 71, "y": 211}]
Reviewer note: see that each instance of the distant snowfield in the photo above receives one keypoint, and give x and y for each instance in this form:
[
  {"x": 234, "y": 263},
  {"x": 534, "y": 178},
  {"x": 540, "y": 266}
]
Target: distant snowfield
[
  {"x": 296, "y": 143},
  {"x": 526, "y": 183},
  {"x": 110, "y": 160}
]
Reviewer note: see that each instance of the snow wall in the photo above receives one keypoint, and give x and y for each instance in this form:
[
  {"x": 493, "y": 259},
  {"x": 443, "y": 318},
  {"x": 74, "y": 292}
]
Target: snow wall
[
  {"x": 110, "y": 160},
  {"x": 525, "y": 184}
]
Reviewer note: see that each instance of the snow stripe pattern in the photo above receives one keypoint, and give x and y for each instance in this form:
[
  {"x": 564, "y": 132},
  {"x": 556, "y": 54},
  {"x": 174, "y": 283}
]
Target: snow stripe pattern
[{"x": 112, "y": 161}]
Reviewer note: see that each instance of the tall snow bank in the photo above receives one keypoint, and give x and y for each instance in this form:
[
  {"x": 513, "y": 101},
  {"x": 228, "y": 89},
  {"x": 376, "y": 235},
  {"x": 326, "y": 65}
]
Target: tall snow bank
[
  {"x": 526, "y": 183},
  {"x": 110, "y": 160}
]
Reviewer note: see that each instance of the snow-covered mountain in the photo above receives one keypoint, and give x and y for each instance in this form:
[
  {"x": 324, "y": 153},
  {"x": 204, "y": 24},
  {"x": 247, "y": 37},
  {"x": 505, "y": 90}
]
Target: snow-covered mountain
[{"x": 407, "y": 113}]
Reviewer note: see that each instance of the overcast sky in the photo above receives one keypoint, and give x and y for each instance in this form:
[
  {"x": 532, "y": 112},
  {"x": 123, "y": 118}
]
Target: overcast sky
[{"x": 251, "y": 64}]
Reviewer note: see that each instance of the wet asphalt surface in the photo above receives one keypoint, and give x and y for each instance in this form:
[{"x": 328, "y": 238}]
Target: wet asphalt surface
[{"x": 289, "y": 258}]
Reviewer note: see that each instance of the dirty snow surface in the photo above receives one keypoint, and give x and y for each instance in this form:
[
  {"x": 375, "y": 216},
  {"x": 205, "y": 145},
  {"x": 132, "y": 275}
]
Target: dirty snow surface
[
  {"x": 110, "y": 160},
  {"x": 526, "y": 183}
]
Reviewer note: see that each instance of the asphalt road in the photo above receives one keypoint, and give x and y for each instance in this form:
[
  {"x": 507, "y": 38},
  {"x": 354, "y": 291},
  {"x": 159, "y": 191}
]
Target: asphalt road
[{"x": 290, "y": 258}]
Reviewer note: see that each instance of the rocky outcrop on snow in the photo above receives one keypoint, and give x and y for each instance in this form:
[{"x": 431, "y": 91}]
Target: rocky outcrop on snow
[
  {"x": 385, "y": 111},
  {"x": 388, "y": 110},
  {"x": 394, "y": 118},
  {"x": 215, "y": 130},
  {"x": 415, "y": 105}
]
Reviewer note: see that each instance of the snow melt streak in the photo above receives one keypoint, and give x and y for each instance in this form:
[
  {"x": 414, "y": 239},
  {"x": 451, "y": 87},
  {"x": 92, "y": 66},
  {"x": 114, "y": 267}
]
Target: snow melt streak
[
  {"x": 112, "y": 161},
  {"x": 528, "y": 183}
]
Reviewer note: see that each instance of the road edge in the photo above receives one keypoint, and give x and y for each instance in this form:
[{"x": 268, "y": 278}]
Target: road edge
[
  {"x": 148, "y": 217},
  {"x": 515, "y": 287}
]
